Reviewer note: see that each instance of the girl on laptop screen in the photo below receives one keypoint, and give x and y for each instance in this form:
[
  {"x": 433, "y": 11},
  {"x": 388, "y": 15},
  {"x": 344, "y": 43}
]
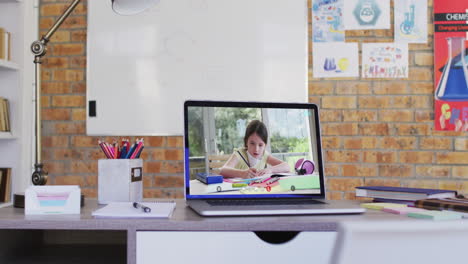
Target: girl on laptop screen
[{"x": 253, "y": 160}]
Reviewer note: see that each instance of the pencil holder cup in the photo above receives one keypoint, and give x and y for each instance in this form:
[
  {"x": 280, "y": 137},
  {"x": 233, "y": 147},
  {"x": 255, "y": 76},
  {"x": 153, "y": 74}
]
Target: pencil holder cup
[{"x": 120, "y": 180}]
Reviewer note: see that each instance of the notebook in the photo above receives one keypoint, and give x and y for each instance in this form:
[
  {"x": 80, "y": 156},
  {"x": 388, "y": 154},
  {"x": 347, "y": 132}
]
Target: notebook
[
  {"x": 267, "y": 155},
  {"x": 160, "y": 209}
]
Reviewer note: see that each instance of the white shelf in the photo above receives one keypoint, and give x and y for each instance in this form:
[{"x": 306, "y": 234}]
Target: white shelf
[
  {"x": 9, "y": 65},
  {"x": 5, "y": 204},
  {"x": 6, "y": 135},
  {"x": 11, "y": 1}
]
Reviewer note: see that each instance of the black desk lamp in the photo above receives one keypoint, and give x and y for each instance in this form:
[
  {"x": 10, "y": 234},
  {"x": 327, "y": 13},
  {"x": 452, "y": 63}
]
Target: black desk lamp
[{"x": 39, "y": 48}]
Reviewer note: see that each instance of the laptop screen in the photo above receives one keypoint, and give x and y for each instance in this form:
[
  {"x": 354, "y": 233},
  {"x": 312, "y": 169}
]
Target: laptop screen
[{"x": 252, "y": 150}]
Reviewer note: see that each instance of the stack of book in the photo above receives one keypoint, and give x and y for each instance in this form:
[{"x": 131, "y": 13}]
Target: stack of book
[
  {"x": 4, "y": 115},
  {"x": 5, "y": 44},
  {"x": 5, "y": 185},
  {"x": 402, "y": 194}
]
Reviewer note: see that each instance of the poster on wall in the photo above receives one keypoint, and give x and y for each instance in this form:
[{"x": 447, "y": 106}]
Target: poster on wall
[
  {"x": 367, "y": 14},
  {"x": 335, "y": 60},
  {"x": 410, "y": 21},
  {"x": 384, "y": 60},
  {"x": 450, "y": 65},
  {"x": 327, "y": 21}
]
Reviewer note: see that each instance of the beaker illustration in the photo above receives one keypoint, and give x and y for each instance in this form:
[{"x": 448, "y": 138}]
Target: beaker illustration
[
  {"x": 453, "y": 84},
  {"x": 329, "y": 64}
]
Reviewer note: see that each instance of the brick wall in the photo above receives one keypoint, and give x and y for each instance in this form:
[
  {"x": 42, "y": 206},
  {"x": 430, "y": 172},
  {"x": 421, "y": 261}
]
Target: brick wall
[{"x": 374, "y": 131}]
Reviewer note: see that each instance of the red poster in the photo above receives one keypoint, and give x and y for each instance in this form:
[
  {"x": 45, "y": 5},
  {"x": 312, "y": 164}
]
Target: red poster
[{"x": 451, "y": 65}]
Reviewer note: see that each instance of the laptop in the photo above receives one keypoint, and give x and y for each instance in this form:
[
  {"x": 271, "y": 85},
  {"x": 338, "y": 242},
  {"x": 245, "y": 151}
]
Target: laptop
[{"x": 255, "y": 158}]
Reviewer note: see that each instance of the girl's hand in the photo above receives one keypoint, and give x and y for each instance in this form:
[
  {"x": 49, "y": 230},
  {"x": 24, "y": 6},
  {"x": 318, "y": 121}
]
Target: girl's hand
[
  {"x": 250, "y": 173},
  {"x": 264, "y": 171}
]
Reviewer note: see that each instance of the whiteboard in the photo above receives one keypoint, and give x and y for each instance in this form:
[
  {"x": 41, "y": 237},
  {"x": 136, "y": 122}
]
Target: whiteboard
[{"x": 141, "y": 68}]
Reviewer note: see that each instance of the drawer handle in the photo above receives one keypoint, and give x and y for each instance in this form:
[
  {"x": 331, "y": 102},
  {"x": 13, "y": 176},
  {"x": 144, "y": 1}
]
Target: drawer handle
[{"x": 276, "y": 237}]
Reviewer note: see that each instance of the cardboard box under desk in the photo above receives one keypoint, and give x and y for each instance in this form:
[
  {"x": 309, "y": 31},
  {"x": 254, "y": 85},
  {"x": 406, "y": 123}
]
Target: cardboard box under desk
[{"x": 120, "y": 180}]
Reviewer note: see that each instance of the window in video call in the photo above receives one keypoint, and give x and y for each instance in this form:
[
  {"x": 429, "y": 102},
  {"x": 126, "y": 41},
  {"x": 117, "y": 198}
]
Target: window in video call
[{"x": 237, "y": 150}]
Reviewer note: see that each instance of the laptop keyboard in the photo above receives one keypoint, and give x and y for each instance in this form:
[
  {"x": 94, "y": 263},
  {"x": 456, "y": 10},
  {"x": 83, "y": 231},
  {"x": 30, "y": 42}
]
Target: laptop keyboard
[{"x": 260, "y": 202}]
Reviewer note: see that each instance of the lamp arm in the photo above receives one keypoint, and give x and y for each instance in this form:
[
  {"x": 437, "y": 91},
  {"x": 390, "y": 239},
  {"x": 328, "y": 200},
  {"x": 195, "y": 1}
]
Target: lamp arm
[{"x": 39, "y": 48}]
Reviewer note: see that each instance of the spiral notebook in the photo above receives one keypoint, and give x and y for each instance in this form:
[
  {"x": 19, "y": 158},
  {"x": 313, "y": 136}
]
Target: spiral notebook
[{"x": 160, "y": 209}]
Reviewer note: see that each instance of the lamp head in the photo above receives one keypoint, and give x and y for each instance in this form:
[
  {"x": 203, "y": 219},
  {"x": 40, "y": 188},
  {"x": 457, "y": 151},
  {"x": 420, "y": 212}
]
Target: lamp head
[{"x": 132, "y": 7}]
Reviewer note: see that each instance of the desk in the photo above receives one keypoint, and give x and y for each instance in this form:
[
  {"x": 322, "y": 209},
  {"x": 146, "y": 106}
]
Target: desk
[{"x": 114, "y": 240}]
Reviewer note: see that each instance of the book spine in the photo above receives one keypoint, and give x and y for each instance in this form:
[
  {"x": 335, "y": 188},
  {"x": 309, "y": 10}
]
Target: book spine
[
  {"x": 440, "y": 205},
  {"x": 2, "y": 44}
]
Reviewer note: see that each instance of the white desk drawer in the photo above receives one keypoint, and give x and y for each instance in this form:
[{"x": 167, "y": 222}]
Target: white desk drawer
[{"x": 231, "y": 247}]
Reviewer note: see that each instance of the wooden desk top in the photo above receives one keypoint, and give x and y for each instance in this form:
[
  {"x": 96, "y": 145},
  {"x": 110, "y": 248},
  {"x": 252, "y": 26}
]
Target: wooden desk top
[{"x": 183, "y": 219}]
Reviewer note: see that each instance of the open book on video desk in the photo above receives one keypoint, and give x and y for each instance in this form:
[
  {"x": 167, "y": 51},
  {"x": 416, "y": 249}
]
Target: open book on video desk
[{"x": 159, "y": 209}]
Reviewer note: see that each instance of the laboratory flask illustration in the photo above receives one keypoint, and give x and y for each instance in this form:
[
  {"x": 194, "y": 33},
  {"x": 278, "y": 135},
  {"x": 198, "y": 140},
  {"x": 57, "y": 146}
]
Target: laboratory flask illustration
[
  {"x": 453, "y": 84},
  {"x": 407, "y": 25}
]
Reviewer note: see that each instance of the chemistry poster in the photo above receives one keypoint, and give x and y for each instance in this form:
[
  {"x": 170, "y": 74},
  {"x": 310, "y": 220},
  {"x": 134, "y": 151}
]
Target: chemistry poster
[
  {"x": 335, "y": 60},
  {"x": 450, "y": 65},
  {"x": 410, "y": 21},
  {"x": 384, "y": 60},
  {"x": 327, "y": 21},
  {"x": 367, "y": 14}
]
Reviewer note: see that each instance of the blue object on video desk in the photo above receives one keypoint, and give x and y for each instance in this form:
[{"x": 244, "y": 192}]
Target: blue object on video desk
[{"x": 209, "y": 179}]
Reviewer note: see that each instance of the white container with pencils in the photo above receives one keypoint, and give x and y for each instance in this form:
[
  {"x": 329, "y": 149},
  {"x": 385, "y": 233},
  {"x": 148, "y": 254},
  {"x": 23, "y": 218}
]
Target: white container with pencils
[{"x": 120, "y": 180}]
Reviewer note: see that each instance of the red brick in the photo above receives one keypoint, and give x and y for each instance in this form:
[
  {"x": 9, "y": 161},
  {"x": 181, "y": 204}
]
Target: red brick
[
  {"x": 69, "y": 180},
  {"x": 379, "y": 157},
  {"x": 360, "y": 143},
  {"x": 68, "y": 100},
  {"x": 360, "y": 115},
  {"x": 84, "y": 141},
  {"x": 78, "y": 166},
  {"x": 68, "y": 75},
  {"x": 339, "y": 102},
  {"x": 433, "y": 171},
  {"x": 460, "y": 172},
  {"x": 55, "y": 141},
  {"x": 55, "y": 88},
  {"x": 413, "y": 129},
  {"x": 321, "y": 88},
  {"x": 395, "y": 171},
  {"x": 342, "y": 129},
  {"x": 416, "y": 157},
  {"x": 379, "y": 129},
  {"x": 435, "y": 143},
  {"x": 359, "y": 170},
  {"x": 68, "y": 49},
  {"x": 79, "y": 114},
  {"x": 461, "y": 144},
  {"x": 353, "y": 87},
  {"x": 55, "y": 167},
  {"x": 70, "y": 128},
  {"x": 374, "y": 102},
  {"x": 347, "y": 184},
  {"x": 398, "y": 142},
  {"x": 169, "y": 181},
  {"x": 331, "y": 115},
  {"x": 381, "y": 182},
  {"x": 56, "y": 114},
  {"x": 330, "y": 142},
  {"x": 152, "y": 166},
  {"x": 394, "y": 87},
  {"x": 452, "y": 158},
  {"x": 155, "y": 141},
  {"x": 56, "y": 62},
  {"x": 342, "y": 156},
  {"x": 422, "y": 184},
  {"x": 175, "y": 142}
]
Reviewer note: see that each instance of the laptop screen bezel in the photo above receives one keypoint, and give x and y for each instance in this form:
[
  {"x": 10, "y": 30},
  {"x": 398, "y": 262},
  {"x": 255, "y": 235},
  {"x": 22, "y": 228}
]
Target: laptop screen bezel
[{"x": 317, "y": 133}]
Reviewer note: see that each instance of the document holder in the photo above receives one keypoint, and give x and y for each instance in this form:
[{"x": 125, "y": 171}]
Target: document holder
[
  {"x": 53, "y": 199},
  {"x": 120, "y": 180}
]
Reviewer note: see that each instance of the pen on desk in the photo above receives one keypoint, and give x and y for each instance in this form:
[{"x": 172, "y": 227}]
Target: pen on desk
[{"x": 145, "y": 209}]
